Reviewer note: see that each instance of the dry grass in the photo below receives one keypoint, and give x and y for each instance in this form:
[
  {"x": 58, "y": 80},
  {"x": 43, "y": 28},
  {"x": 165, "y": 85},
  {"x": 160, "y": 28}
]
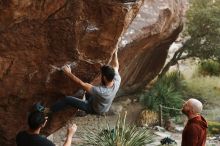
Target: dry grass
[{"x": 207, "y": 87}]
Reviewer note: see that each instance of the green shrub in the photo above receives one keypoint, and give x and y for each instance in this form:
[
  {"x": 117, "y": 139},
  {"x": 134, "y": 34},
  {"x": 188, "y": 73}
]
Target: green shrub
[
  {"x": 209, "y": 67},
  {"x": 121, "y": 135},
  {"x": 213, "y": 127},
  {"x": 166, "y": 91}
]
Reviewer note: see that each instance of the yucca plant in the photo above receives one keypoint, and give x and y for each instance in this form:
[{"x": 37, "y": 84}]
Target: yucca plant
[
  {"x": 166, "y": 91},
  {"x": 121, "y": 135},
  {"x": 174, "y": 79}
]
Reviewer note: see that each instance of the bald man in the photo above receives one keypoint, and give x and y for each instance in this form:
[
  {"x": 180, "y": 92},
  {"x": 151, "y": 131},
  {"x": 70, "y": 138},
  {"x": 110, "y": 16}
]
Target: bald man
[{"x": 195, "y": 131}]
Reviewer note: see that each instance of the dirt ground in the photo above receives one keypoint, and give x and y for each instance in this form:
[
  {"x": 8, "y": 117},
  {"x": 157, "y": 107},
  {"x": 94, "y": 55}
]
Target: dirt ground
[{"x": 95, "y": 122}]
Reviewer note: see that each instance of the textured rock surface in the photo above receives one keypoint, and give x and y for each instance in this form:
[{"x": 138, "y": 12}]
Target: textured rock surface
[{"x": 37, "y": 34}]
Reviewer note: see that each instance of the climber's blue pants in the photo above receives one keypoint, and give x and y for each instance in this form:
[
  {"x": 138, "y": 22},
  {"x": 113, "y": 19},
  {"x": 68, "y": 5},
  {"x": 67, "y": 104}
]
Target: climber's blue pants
[{"x": 85, "y": 105}]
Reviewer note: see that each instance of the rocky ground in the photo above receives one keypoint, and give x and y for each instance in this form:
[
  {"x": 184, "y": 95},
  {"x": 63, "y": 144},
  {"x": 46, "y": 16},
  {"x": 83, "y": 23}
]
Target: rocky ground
[
  {"x": 96, "y": 122},
  {"x": 133, "y": 109}
]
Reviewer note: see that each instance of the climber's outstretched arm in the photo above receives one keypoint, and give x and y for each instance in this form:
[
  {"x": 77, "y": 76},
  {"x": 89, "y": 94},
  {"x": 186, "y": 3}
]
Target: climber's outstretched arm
[
  {"x": 114, "y": 62},
  {"x": 86, "y": 86}
]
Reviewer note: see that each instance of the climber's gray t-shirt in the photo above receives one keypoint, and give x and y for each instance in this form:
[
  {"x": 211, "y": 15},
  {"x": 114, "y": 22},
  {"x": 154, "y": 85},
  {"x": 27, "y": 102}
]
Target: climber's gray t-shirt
[{"x": 103, "y": 96}]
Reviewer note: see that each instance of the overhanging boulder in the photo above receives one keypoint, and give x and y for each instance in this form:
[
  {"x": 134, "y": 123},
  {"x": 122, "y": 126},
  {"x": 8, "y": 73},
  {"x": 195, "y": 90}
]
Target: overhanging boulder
[{"x": 38, "y": 36}]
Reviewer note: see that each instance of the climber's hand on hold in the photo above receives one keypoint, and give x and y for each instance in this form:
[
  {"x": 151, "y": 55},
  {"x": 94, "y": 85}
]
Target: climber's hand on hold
[{"x": 66, "y": 69}]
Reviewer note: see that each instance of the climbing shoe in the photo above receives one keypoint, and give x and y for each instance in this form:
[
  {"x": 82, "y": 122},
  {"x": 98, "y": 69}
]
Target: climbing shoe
[{"x": 81, "y": 113}]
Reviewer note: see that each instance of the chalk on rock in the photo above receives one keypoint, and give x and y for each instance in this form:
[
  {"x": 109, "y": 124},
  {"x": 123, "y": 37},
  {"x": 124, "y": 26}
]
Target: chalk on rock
[
  {"x": 71, "y": 65},
  {"x": 128, "y": 1}
]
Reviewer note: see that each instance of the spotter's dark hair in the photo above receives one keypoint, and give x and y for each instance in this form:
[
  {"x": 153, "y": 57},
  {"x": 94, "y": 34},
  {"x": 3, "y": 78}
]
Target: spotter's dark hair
[{"x": 36, "y": 119}]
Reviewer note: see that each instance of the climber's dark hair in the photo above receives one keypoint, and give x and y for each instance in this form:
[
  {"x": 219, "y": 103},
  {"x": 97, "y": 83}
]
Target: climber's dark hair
[
  {"x": 108, "y": 72},
  {"x": 36, "y": 119}
]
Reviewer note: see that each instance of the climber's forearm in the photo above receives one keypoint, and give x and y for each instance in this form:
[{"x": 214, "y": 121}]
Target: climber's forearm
[
  {"x": 86, "y": 86},
  {"x": 75, "y": 79},
  {"x": 114, "y": 62}
]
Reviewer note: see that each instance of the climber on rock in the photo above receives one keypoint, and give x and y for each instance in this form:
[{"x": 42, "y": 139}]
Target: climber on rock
[{"x": 98, "y": 98}]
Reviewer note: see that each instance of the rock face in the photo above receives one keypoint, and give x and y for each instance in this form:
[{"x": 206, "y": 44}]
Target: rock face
[
  {"x": 38, "y": 37},
  {"x": 146, "y": 41}
]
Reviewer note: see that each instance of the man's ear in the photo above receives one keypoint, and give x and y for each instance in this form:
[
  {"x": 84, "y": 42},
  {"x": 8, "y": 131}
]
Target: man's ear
[{"x": 105, "y": 79}]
